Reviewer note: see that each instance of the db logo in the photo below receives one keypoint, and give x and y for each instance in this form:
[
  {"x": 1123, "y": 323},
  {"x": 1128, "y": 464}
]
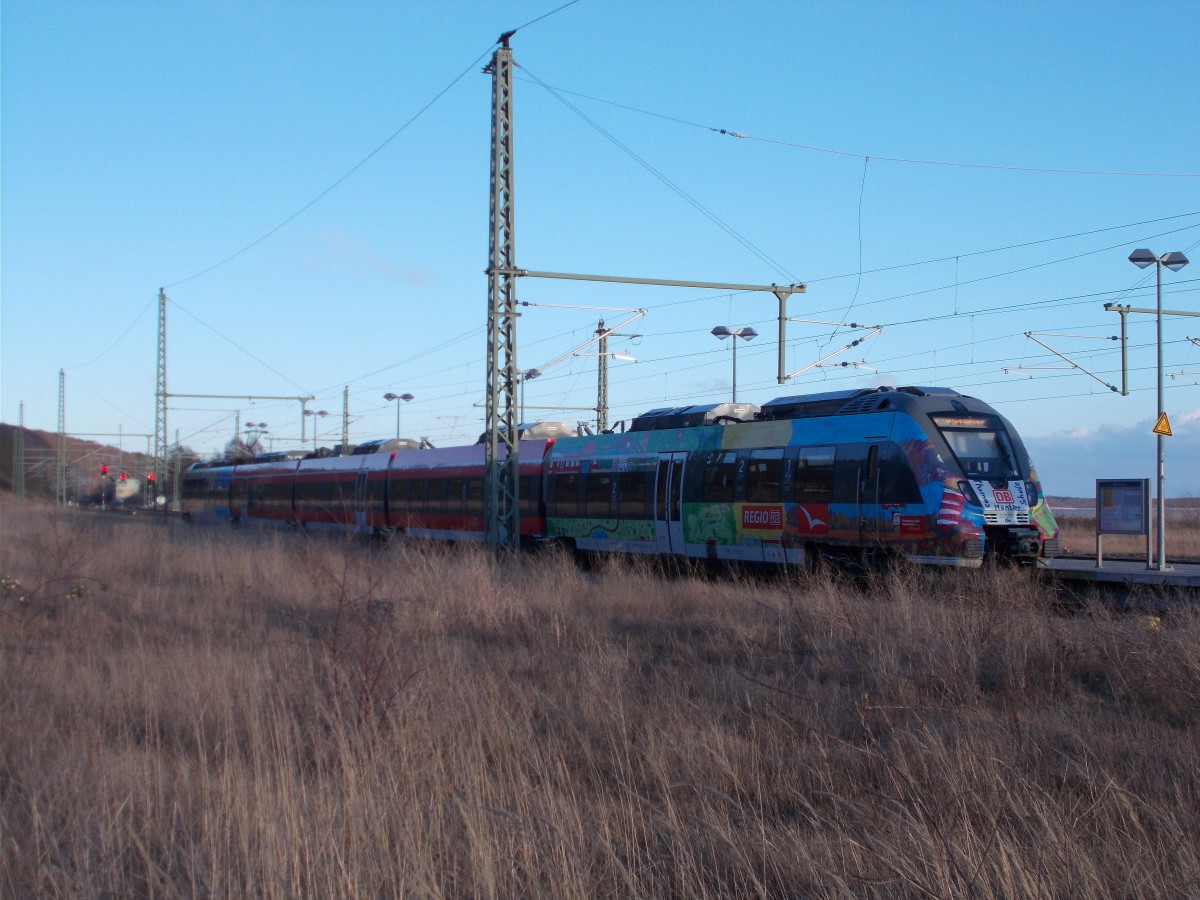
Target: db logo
[
  {"x": 768, "y": 517},
  {"x": 1003, "y": 496}
]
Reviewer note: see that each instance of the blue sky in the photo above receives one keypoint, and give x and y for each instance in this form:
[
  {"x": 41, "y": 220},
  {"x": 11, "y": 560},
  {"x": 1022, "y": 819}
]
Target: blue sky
[{"x": 932, "y": 168}]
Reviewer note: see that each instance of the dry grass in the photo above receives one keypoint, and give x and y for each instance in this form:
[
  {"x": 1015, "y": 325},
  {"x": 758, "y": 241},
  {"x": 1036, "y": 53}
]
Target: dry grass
[
  {"x": 219, "y": 713},
  {"x": 1078, "y": 537}
]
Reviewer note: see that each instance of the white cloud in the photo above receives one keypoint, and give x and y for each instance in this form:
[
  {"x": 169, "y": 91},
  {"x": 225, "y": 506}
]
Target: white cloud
[
  {"x": 1187, "y": 417},
  {"x": 1069, "y": 462}
]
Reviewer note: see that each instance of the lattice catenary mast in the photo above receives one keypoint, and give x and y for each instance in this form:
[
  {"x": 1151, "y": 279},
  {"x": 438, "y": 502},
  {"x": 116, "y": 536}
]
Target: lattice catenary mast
[
  {"x": 160, "y": 398},
  {"x": 60, "y": 467},
  {"x": 501, "y": 493}
]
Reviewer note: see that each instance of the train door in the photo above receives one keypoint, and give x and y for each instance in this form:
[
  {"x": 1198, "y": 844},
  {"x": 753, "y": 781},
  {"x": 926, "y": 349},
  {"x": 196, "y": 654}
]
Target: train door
[
  {"x": 238, "y": 491},
  {"x": 868, "y": 498},
  {"x": 668, "y": 504},
  {"x": 360, "y": 503}
]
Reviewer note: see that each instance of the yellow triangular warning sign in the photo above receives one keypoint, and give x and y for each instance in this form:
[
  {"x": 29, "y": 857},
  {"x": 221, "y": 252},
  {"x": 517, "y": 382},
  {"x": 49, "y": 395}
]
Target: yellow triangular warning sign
[{"x": 1162, "y": 426}]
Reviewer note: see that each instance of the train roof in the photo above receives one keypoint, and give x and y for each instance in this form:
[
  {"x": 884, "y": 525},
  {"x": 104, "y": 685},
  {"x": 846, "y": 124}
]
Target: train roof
[
  {"x": 538, "y": 431},
  {"x": 693, "y": 416},
  {"x": 834, "y": 403}
]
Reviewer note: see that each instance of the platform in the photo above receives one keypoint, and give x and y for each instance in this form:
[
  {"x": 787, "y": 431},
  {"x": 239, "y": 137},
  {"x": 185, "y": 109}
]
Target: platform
[{"x": 1121, "y": 572}]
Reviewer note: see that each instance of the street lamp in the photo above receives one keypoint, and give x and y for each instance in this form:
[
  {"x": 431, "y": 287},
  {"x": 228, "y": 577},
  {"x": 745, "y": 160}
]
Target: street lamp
[
  {"x": 322, "y": 414},
  {"x": 397, "y": 397},
  {"x": 746, "y": 334},
  {"x": 1173, "y": 261}
]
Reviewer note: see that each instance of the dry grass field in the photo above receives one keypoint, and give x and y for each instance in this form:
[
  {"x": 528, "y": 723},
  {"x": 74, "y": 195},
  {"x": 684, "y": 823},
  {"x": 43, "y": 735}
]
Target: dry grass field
[
  {"x": 1078, "y": 537},
  {"x": 190, "y": 712}
]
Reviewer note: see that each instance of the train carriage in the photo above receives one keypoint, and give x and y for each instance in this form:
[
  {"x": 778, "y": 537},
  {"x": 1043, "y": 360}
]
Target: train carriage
[
  {"x": 421, "y": 492},
  {"x": 926, "y": 474},
  {"x": 922, "y": 473}
]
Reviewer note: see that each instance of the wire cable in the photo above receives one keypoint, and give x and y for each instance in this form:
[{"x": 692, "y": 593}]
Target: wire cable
[
  {"x": 739, "y": 135},
  {"x": 107, "y": 349},
  {"x": 543, "y": 16},
  {"x": 680, "y": 192},
  {"x": 234, "y": 343},
  {"x": 362, "y": 162}
]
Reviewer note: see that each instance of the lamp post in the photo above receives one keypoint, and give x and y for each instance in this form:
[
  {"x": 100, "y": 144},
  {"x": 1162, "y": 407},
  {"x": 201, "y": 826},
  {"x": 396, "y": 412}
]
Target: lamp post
[
  {"x": 746, "y": 334},
  {"x": 399, "y": 398},
  {"x": 1173, "y": 261},
  {"x": 319, "y": 413}
]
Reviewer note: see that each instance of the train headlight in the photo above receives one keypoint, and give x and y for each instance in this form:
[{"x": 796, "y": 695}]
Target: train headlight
[{"x": 969, "y": 493}]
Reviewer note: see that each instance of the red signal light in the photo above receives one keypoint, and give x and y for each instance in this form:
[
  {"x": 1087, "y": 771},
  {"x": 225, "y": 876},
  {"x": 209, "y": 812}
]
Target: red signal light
[
  {"x": 150, "y": 477},
  {"x": 122, "y": 476},
  {"x": 103, "y": 471}
]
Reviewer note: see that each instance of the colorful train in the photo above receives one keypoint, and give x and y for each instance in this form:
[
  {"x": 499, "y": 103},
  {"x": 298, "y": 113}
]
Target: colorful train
[{"x": 920, "y": 473}]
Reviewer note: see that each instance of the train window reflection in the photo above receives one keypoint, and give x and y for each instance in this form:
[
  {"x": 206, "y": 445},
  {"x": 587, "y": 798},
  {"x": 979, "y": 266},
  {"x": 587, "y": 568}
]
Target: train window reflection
[
  {"x": 720, "y": 477},
  {"x": 983, "y": 453},
  {"x": 814, "y": 474},
  {"x": 764, "y": 475}
]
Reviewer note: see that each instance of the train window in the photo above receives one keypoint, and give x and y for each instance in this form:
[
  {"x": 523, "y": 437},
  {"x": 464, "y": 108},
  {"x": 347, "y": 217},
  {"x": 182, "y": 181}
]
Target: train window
[
  {"x": 764, "y": 476},
  {"x": 565, "y": 494},
  {"x": 599, "y": 495},
  {"x": 435, "y": 496},
  {"x": 454, "y": 495},
  {"x": 982, "y": 452},
  {"x": 720, "y": 477},
  {"x": 475, "y": 496},
  {"x": 417, "y": 498},
  {"x": 813, "y": 477},
  {"x": 278, "y": 493},
  {"x": 530, "y": 495},
  {"x": 897, "y": 483},
  {"x": 850, "y": 473},
  {"x": 633, "y": 495},
  {"x": 399, "y": 489}
]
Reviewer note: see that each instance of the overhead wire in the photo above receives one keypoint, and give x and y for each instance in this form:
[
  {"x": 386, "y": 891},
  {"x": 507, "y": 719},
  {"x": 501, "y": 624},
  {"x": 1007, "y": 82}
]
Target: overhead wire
[
  {"x": 232, "y": 342},
  {"x": 739, "y": 135},
  {"x": 362, "y": 162},
  {"x": 109, "y": 348},
  {"x": 671, "y": 185}
]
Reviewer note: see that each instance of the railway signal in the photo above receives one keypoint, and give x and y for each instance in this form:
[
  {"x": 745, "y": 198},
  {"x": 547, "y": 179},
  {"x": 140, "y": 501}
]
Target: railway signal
[
  {"x": 122, "y": 477},
  {"x": 103, "y": 471}
]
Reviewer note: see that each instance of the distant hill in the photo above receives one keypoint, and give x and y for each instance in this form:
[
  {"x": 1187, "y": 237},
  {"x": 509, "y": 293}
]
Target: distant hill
[
  {"x": 1086, "y": 506},
  {"x": 84, "y": 459}
]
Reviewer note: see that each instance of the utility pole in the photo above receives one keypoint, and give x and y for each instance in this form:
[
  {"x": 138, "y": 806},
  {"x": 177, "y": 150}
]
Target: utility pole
[
  {"x": 160, "y": 399},
  {"x": 175, "y": 482},
  {"x": 345, "y": 418},
  {"x": 19, "y": 456},
  {"x": 60, "y": 469},
  {"x": 501, "y": 493},
  {"x": 602, "y": 381}
]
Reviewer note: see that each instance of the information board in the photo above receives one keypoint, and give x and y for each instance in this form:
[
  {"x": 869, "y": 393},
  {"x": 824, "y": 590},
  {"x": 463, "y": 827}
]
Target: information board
[{"x": 1123, "y": 506}]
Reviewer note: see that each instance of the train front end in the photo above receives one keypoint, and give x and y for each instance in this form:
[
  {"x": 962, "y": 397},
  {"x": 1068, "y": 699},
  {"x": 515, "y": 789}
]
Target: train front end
[{"x": 995, "y": 494}]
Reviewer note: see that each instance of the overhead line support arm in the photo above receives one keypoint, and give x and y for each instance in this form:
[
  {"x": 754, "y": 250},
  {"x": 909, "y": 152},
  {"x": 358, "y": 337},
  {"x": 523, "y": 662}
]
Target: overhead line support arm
[
  {"x": 781, "y": 291},
  {"x": 1124, "y": 311}
]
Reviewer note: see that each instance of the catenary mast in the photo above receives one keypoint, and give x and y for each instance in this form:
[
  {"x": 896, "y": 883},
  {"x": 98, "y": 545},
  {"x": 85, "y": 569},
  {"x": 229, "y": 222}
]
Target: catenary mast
[{"x": 501, "y": 494}]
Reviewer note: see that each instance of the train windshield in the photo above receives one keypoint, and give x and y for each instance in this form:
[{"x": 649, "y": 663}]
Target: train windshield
[{"x": 981, "y": 446}]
